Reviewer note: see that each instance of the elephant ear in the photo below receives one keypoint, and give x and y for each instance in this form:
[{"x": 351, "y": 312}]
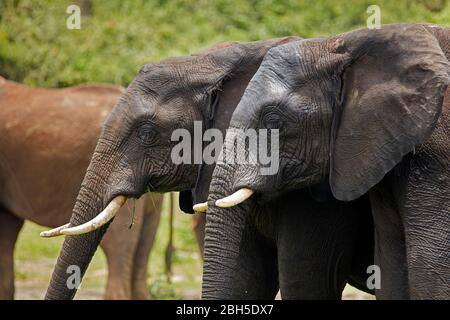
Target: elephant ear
[
  {"x": 222, "y": 103},
  {"x": 393, "y": 84},
  {"x": 185, "y": 202},
  {"x": 225, "y": 62}
]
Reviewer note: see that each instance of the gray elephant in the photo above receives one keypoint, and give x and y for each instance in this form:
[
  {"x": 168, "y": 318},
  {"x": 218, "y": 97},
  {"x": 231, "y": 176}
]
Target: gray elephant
[
  {"x": 356, "y": 113},
  {"x": 133, "y": 155}
]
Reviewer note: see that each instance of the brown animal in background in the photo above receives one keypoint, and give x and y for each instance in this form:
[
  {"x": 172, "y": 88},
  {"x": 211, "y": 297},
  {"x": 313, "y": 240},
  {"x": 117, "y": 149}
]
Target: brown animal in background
[{"x": 47, "y": 137}]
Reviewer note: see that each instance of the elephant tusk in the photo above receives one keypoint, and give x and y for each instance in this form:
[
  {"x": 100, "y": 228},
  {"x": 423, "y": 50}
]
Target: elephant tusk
[
  {"x": 54, "y": 232},
  {"x": 101, "y": 219},
  {"x": 201, "y": 207},
  {"x": 236, "y": 198}
]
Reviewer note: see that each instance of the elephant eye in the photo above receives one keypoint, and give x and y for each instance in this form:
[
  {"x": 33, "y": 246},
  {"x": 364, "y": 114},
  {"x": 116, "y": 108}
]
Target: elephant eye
[
  {"x": 147, "y": 135},
  {"x": 273, "y": 121}
]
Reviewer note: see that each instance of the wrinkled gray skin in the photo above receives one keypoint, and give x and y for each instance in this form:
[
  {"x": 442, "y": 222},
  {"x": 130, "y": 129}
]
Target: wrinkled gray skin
[
  {"x": 360, "y": 112},
  {"x": 133, "y": 154}
]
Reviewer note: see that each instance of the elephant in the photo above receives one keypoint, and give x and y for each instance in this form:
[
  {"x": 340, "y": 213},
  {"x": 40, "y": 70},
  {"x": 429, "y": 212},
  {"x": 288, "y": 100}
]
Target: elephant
[
  {"x": 361, "y": 114},
  {"x": 47, "y": 137},
  {"x": 134, "y": 154}
]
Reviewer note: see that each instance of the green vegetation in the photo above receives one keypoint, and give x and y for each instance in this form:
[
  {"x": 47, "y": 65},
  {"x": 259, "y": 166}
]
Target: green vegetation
[{"x": 118, "y": 37}]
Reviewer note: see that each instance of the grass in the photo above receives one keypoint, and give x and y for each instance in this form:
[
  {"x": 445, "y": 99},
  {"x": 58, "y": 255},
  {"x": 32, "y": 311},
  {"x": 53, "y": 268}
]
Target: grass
[
  {"x": 35, "y": 258},
  {"x": 186, "y": 261}
]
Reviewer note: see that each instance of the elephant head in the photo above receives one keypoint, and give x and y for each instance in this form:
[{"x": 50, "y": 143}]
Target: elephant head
[
  {"x": 133, "y": 153},
  {"x": 344, "y": 109}
]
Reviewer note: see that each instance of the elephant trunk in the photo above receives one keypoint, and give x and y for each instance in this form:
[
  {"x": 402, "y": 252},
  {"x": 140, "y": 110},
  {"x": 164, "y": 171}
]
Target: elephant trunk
[
  {"x": 224, "y": 228},
  {"x": 78, "y": 250}
]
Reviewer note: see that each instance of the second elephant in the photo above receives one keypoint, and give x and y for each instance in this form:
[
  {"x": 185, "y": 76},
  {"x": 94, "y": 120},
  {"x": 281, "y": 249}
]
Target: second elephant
[{"x": 365, "y": 113}]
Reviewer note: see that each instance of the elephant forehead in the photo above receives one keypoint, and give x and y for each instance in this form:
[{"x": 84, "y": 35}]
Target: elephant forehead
[
  {"x": 277, "y": 88},
  {"x": 267, "y": 84}
]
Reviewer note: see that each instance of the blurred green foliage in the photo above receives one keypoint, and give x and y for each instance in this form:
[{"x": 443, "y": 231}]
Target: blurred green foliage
[{"x": 117, "y": 37}]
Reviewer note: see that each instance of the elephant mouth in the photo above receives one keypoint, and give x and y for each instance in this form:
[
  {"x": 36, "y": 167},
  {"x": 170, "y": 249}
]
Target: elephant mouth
[
  {"x": 166, "y": 183},
  {"x": 264, "y": 189},
  {"x": 151, "y": 187},
  {"x": 152, "y": 183}
]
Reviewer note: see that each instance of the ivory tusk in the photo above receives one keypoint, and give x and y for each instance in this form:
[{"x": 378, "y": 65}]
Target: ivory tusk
[
  {"x": 236, "y": 198},
  {"x": 101, "y": 219},
  {"x": 54, "y": 232},
  {"x": 201, "y": 207}
]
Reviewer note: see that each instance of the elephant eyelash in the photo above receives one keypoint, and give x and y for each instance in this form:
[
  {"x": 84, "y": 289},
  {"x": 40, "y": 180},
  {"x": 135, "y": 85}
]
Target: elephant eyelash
[
  {"x": 148, "y": 136},
  {"x": 282, "y": 115}
]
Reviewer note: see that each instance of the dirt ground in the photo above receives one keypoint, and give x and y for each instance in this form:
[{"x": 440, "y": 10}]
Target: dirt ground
[
  {"x": 27, "y": 290},
  {"x": 24, "y": 292}
]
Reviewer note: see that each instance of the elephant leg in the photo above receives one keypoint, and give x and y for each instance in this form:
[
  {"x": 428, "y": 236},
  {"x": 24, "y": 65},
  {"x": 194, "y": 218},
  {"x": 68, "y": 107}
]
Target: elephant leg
[
  {"x": 120, "y": 244},
  {"x": 10, "y": 226},
  {"x": 365, "y": 243},
  {"x": 390, "y": 250},
  {"x": 315, "y": 249},
  {"x": 257, "y": 276},
  {"x": 198, "y": 225},
  {"x": 426, "y": 217},
  {"x": 151, "y": 218}
]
